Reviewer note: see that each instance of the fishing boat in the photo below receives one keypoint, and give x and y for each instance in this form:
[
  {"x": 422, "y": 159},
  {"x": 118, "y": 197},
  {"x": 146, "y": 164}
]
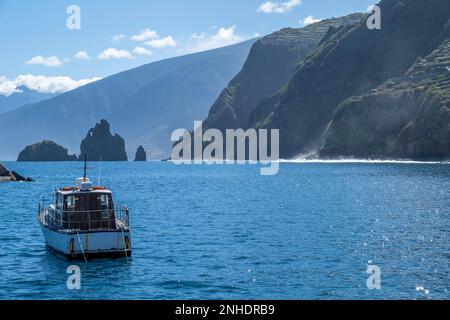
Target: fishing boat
[{"x": 83, "y": 223}]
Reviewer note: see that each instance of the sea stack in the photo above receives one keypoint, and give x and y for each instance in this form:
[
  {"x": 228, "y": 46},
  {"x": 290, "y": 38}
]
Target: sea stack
[
  {"x": 45, "y": 151},
  {"x": 101, "y": 145},
  {"x": 141, "y": 155}
]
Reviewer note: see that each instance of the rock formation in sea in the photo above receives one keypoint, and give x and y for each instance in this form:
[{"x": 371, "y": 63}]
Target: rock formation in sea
[
  {"x": 45, "y": 151},
  {"x": 10, "y": 176},
  {"x": 141, "y": 155},
  {"x": 101, "y": 145}
]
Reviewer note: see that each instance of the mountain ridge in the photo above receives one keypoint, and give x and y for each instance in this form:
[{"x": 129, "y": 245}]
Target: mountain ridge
[{"x": 67, "y": 117}]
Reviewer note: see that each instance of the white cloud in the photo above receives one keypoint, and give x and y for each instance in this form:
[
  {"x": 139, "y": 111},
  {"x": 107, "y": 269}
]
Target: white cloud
[
  {"x": 82, "y": 55},
  {"x": 278, "y": 7},
  {"x": 113, "y": 53},
  {"x": 223, "y": 37},
  {"x": 370, "y": 8},
  {"x": 161, "y": 43},
  {"x": 309, "y": 20},
  {"x": 45, "y": 61},
  {"x": 117, "y": 38},
  {"x": 42, "y": 84},
  {"x": 142, "y": 51},
  {"x": 145, "y": 35}
]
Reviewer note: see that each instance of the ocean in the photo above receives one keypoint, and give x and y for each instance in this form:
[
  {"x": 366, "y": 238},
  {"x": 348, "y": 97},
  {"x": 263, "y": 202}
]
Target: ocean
[{"x": 226, "y": 232}]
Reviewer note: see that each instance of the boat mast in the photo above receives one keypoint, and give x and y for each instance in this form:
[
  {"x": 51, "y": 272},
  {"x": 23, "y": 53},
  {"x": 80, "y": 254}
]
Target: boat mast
[{"x": 85, "y": 167}]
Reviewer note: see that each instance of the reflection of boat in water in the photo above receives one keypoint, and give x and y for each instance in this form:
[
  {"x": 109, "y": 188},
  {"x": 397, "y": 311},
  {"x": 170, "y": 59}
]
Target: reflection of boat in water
[{"x": 83, "y": 223}]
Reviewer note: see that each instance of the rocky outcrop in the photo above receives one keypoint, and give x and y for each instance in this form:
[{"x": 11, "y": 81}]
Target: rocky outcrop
[
  {"x": 101, "y": 145},
  {"x": 141, "y": 155},
  {"x": 45, "y": 151},
  {"x": 10, "y": 176}
]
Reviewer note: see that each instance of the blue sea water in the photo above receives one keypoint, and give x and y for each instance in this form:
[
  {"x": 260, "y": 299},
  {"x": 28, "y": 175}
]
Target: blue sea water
[{"x": 225, "y": 232}]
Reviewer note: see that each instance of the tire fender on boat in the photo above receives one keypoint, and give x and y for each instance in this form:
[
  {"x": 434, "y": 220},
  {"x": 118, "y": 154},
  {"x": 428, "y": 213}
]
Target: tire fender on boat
[{"x": 71, "y": 247}]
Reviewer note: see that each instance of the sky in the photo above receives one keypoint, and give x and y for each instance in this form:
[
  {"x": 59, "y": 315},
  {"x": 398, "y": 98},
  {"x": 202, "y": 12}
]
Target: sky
[{"x": 40, "y": 51}]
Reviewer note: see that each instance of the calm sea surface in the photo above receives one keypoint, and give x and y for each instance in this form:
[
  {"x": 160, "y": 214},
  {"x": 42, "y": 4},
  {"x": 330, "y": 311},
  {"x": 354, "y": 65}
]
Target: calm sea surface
[{"x": 225, "y": 232}]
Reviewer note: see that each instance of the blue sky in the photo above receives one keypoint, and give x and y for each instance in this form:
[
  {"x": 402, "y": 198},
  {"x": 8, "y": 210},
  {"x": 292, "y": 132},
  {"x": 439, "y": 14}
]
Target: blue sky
[{"x": 36, "y": 41}]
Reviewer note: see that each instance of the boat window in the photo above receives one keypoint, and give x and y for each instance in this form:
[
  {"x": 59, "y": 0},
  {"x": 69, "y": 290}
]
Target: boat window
[
  {"x": 59, "y": 201},
  {"x": 104, "y": 200},
  {"x": 70, "y": 203}
]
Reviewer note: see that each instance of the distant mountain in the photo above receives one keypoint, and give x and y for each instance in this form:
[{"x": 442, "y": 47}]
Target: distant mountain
[
  {"x": 329, "y": 105},
  {"x": 21, "y": 98},
  {"x": 144, "y": 104}
]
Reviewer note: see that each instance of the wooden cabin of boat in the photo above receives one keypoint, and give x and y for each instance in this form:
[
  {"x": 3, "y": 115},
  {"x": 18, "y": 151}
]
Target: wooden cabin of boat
[{"x": 85, "y": 208}]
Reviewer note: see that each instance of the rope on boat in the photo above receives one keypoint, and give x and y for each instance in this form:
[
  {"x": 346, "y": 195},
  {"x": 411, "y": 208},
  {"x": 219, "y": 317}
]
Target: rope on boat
[
  {"x": 124, "y": 244},
  {"x": 81, "y": 246}
]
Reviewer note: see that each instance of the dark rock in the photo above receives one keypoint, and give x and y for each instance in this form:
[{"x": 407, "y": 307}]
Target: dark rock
[
  {"x": 10, "y": 176},
  {"x": 101, "y": 145},
  {"x": 3, "y": 171},
  {"x": 141, "y": 155},
  {"x": 45, "y": 151}
]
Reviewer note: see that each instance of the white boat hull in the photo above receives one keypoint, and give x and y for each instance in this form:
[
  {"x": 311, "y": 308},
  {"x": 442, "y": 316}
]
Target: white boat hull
[{"x": 80, "y": 245}]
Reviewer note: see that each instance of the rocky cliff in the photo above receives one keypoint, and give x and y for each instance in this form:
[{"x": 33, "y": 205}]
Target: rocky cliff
[
  {"x": 271, "y": 62},
  {"x": 350, "y": 63},
  {"x": 408, "y": 117}
]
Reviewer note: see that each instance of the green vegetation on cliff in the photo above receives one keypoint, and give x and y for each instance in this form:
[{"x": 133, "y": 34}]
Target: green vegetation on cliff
[
  {"x": 408, "y": 117},
  {"x": 271, "y": 62},
  {"x": 351, "y": 62},
  {"x": 45, "y": 151}
]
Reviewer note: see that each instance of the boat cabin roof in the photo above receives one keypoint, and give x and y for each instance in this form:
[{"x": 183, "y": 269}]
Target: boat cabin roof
[
  {"x": 83, "y": 186},
  {"x": 76, "y": 190}
]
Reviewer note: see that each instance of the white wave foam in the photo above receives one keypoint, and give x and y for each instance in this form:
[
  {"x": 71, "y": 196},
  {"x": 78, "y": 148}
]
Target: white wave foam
[{"x": 374, "y": 161}]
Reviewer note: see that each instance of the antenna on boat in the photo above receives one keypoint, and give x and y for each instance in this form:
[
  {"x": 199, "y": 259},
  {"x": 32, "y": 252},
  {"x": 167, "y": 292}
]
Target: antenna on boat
[
  {"x": 85, "y": 168},
  {"x": 99, "y": 171}
]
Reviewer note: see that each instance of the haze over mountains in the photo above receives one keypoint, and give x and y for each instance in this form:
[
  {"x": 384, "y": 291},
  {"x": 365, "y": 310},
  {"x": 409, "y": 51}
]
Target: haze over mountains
[
  {"x": 19, "y": 99},
  {"x": 334, "y": 89},
  {"x": 144, "y": 104}
]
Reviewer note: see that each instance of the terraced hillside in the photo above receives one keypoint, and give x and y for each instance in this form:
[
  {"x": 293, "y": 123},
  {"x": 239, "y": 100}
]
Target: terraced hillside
[{"x": 407, "y": 117}]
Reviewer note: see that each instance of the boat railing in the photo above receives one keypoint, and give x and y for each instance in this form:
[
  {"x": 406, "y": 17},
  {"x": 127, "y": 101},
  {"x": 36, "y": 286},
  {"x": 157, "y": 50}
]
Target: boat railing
[{"x": 93, "y": 220}]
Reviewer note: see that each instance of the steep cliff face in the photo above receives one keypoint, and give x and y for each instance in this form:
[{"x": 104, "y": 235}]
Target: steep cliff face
[
  {"x": 45, "y": 151},
  {"x": 351, "y": 62},
  {"x": 408, "y": 117},
  {"x": 271, "y": 62},
  {"x": 101, "y": 145}
]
